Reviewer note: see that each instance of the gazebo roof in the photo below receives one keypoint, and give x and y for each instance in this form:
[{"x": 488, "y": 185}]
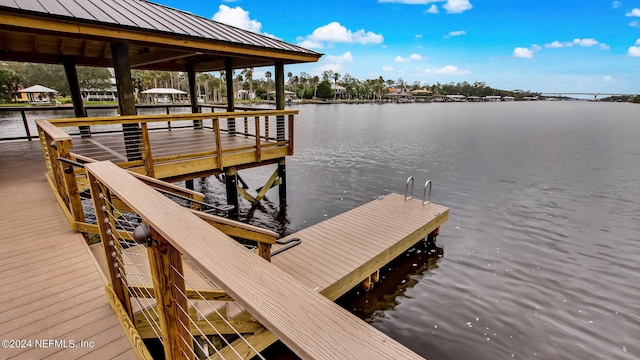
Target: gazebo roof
[
  {"x": 159, "y": 37},
  {"x": 37, "y": 89}
]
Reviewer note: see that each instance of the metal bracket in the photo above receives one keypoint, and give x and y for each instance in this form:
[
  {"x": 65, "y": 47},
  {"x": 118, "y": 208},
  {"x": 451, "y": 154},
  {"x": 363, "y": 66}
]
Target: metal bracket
[{"x": 142, "y": 235}]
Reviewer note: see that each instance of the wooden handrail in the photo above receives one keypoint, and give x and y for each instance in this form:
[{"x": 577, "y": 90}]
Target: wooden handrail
[
  {"x": 135, "y": 119},
  {"x": 308, "y": 323}
]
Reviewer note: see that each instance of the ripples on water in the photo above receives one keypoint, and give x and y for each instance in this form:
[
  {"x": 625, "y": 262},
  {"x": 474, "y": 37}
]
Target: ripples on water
[
  {"x": 542, "y": 255},
  {"x": 542, "y": 247}
]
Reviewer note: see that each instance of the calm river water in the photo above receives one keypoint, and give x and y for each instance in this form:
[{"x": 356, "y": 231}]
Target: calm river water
[{"x": 542, "y": 247}]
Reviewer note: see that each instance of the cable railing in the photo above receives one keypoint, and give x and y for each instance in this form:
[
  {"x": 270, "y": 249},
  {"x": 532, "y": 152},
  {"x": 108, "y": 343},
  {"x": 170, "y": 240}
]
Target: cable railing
[
  {"x": 175, "y": 145},
  {"x": 203, "y": 295},
  {"x": 195, "y": 144}
]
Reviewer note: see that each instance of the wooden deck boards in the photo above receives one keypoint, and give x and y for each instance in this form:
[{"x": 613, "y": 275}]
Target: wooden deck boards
[
  {"x": 338, "y": 253},
  {"x": 163, "y": 143},
  {"x": 50, "y": 287}
]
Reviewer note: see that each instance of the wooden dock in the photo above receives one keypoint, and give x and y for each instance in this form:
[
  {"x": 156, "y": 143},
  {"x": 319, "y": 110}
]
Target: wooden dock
[
  {"x": 50, "y": 285},
  {"x": 339, "y": 253},
  {"x": 260, "y": 299}
]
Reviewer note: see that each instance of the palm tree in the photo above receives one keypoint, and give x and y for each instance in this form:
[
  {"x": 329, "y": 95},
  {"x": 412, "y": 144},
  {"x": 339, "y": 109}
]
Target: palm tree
[
  {"x": 290, "y": 76},
  {"x": 268, "y": 76},
  {"x": 336, "y": 76},
  {"x": 248, "y": 76},
  {"x": 315, "y": 81}
]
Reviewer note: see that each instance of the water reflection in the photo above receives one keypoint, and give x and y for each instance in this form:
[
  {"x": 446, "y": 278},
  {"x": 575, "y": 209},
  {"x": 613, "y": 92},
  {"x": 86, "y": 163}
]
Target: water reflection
[{"x": 396, "y": 278}]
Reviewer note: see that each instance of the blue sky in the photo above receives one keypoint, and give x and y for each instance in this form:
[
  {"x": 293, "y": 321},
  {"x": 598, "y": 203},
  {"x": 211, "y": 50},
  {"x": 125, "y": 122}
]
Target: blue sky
[{"x": 538, "y": 45}]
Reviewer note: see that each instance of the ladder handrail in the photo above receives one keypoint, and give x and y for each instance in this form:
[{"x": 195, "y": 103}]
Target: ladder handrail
[
  {"x": 406, "y": 188},
  {"x": 426, "y": 200}
]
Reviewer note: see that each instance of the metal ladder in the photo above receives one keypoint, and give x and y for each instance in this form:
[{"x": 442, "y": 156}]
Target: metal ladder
[{"x": 409, "y": 195}]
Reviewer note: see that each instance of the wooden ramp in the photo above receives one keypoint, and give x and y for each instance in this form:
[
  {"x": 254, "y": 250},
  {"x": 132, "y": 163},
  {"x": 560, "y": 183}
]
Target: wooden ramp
[
  {"x": 339, "y": 253},
  {"x": 50, "y": 285}
]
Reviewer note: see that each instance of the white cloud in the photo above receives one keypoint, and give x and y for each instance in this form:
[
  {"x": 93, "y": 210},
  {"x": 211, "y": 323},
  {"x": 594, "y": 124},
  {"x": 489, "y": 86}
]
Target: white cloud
[
  {"x": 616, "y": 4},
  {"x": 557, "y": 45},
  {"x": 457, "y": 6},
  {"x": 457, "y": 33},
  {"x": 410, "y": 2},
  {"x": 586, "y": 42},
  {"x": 309, "y": 43},
  {"x": 536, "y": 47},
  {"x": 346, "y": 57},
  {"x": 634, "y": 51},
  {"x": 388, "y": 68},
  {"x": 607, "y": 78},
  {"x": 336, "y": 68},
  {"x": 634, "y": 13},
  {"x": 522, "y": 53},
  {"x": 637, "y": 42},
  {"x": 452, "y": 6},
  {"x": 334, "y": 32},
  {"x": 418, "y": 36},
  {"x": 237, "y": 17},
  {"x": 414, "y": 56},
  {"x": 635, "y": 23},
  {"x": 452, "y": 70}
]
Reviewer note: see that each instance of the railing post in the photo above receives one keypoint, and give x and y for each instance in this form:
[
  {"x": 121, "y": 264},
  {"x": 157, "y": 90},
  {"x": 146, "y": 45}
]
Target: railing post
[
  {"x": 264, "y": 250},
  {"x": 110, "y": 243},
  {"x": 58, "y": 172},
  {"x": 71, "y": 183},
  {"x": 266, "y": 128},
  {"x": 169, "y": 287},
  {"x": 290, "y": 134},
  {"x": 246, "y": 126},
  {"x": 26, "y": 124},
  {"x": 148, "y": 157},
  {"x": 45, "y": 140},
  {"x": 258, "y": 148},
  {"x": 216, "y": 131}
]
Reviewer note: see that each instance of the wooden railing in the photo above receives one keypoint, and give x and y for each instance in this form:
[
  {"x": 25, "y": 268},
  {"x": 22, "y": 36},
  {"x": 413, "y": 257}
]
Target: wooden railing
[
  {"x": 69, "y": 181},
  {"x": 177, "y": 242},
  {"x": 153, "y": 147}
]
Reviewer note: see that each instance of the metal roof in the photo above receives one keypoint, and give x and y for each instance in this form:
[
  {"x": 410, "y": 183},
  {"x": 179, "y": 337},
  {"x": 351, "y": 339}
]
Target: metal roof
[{"x": 146, "y": 16}]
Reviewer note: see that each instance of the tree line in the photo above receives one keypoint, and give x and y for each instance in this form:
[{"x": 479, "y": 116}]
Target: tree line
[{"x": 211, "y": 86}]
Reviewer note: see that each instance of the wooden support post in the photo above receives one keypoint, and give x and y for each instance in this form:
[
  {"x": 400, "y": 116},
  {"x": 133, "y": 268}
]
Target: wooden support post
[
  {"x": 57, "y": 168},
  {"x": 258, "y": 148},
  {"x": 264, "y": 250},
  {"x": 110, "y": 243},
  {"x": 282, "y": 188},
  {"x": 126, "y": 101},
  {"x": 74, "y": 88},
  {"x": 26, "y": 124},
  {"x": 75, "y": 204},
  {"x": 290, "y": 134},
  {"x": 148, "y": 156},
  {"x": 228, "y": 68},
  {"x": 169, "y": 287},
  {"x": 216, "y": 131},
  {"x": 280, "y": 100},
  {"x": 191, "y": 74},
  {"x": 231, "y": 182}
]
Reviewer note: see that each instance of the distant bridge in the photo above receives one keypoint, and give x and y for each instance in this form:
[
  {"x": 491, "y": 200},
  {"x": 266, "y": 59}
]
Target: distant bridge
[{"x": 594, "y": 94}]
